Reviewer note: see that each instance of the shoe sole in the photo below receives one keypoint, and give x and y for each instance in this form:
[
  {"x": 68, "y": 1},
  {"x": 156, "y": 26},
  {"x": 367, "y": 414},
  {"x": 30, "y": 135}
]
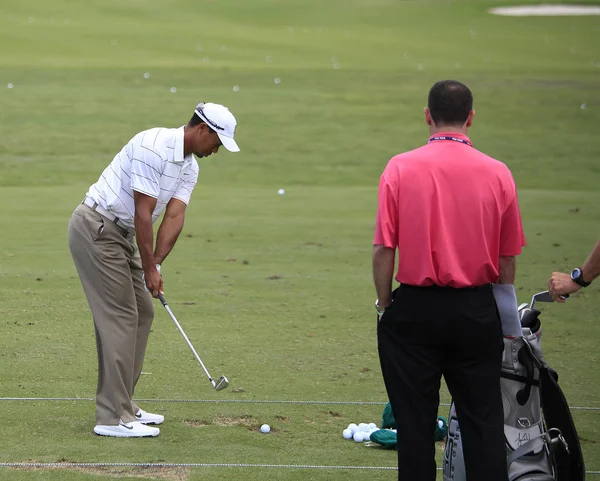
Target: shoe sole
[{"x": 125, "y": 435}]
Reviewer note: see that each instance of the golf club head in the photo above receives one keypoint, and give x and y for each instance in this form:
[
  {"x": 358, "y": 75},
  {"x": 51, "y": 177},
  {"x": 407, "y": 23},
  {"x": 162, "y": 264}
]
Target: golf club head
[
  {"x": 523, "y": 313},
  {"x": 221, "y": 383},
  {"x": 543, "y": 296}
]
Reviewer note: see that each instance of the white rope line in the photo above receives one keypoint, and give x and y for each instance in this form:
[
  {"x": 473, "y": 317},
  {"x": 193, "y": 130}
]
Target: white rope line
[
  {"x": 251, "y": 401},
  {"x": 254, "y": 401},
  {"x": 202, "y": 465},
  {"x": 193, "y": 465}
]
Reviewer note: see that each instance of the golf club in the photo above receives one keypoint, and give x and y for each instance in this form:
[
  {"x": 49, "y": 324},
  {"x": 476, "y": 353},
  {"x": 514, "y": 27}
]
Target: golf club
[
  {"x": 544, "y": 296},
  {"x": 222, "y": 382}
]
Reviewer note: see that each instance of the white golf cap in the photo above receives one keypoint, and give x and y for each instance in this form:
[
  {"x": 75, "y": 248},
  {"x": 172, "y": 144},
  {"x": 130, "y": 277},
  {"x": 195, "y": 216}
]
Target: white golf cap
[{"x": 221, "y": 120}]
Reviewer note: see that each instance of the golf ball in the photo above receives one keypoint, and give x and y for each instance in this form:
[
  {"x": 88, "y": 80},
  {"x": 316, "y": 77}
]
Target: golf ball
[
  {"x": 358, "y": 436},
  {"x": 372, "y": 426},
  {"x": 281, "y": 191},
  {"x": 265, "y": 428},
  {"x": 352, "y": 427},
  {"x": 363, "y": 427},
  {"x": 347, "y": 434}
]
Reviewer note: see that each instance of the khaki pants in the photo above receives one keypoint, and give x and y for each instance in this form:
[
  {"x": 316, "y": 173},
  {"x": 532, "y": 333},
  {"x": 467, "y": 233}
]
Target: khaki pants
[{"x": 110, "y": 269}]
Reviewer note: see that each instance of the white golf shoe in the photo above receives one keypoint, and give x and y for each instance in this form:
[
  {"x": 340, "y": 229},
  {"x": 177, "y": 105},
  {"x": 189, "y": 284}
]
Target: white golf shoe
[
  {"x": 148, "y": 418},
  {"x": 134, "y": 429}
]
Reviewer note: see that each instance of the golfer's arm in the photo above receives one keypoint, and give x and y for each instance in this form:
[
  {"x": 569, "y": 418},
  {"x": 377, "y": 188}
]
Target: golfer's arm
[
  {"x": 591, "y": 266},
  {"x": 507, "y": 266},
  {"x": 144, "y": 206},
  {"x": 169, "y": 229},
  {"x": 383, "y": 273}
]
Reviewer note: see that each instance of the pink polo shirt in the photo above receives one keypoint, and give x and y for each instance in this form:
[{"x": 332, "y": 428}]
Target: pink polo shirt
[{"x": 451, "y": 211}]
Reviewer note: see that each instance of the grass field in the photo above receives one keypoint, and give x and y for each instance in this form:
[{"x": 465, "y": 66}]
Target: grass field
[{"x": 295, "y": 322}]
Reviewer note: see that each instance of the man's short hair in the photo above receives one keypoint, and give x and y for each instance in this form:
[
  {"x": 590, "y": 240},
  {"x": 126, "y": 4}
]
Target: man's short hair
[
  {"x": 450, "y": 102},
  {"x": 195, "y": 120}
]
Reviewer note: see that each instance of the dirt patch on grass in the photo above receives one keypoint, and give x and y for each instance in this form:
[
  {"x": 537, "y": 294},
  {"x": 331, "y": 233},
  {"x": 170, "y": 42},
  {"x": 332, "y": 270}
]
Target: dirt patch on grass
[
  {"x": 311, "y": 243},
  {"x": 167, "y": 473},
  {"x": 246, "y": 420},
  {"x": 589, "y": 441},
  {"x": 196, "y": 423}
]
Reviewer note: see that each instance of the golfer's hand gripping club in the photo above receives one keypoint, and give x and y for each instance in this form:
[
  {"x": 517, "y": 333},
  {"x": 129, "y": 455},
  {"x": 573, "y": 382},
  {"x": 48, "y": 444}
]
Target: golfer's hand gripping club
[
  {"x": 222, "y": 382},
  {"x": 153, "y": 283}
]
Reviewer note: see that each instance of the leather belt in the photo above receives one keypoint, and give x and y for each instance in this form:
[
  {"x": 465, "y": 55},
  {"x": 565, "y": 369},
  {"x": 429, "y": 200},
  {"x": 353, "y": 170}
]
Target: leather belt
[{"x": 92, "y": 204}]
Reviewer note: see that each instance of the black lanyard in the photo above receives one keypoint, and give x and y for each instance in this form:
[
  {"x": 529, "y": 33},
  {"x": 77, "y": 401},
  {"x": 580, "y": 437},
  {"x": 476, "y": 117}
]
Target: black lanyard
[{"x": 454, "y": 139}]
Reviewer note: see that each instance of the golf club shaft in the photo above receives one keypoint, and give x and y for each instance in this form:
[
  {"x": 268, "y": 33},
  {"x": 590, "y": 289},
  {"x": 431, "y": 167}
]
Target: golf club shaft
[{"x": 164, "y": 303}]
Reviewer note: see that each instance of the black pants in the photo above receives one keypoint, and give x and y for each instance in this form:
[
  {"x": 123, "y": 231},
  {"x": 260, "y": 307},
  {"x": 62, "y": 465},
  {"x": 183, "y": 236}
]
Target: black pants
[{"x": 428, "y": 332}]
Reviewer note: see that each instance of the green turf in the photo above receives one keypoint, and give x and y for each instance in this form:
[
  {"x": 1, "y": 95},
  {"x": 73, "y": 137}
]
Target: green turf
[{"x": 295, "y": 321}]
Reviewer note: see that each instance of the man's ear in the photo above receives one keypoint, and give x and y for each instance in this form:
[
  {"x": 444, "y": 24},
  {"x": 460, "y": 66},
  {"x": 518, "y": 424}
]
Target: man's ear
[
  {"x": 428, "y": 119},
  {"x": 470, "y": 118}
]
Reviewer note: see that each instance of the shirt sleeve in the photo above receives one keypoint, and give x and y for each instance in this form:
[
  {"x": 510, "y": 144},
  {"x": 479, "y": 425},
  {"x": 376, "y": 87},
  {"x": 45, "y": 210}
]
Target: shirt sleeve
[
  {"x": 146, "y": 170},
  {"x": 184, "y": 191},
  {"x": 512, "y": 237},
  {"x": 386, "y": 223}
]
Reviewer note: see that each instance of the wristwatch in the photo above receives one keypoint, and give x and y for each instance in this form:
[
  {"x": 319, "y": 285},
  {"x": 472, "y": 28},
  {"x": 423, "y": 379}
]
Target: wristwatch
[
  {"x": 380, "y": 310},
  {"x": 577, "y": 276}
]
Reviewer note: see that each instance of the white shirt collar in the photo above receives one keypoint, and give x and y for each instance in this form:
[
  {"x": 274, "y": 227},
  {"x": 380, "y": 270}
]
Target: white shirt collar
[{"x": 178, "y": 154}]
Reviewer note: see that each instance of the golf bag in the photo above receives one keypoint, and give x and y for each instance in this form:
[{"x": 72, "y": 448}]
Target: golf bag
[{"x": 540, "y": 437}]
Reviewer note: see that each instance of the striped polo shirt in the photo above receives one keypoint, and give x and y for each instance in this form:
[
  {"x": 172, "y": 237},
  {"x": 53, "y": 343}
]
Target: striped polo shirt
[
  {"x": 152, "y": 163},
  {"x": 451, "y": 211}
]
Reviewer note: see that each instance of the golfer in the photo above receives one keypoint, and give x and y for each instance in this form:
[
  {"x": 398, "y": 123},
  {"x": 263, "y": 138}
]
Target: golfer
[
  {"x": 452, "y": 214},
  {"x": 111, "y": 240}
]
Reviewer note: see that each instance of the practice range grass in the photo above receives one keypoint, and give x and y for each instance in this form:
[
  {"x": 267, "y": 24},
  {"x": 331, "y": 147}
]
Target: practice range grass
[{"x": 274, "y": 291}]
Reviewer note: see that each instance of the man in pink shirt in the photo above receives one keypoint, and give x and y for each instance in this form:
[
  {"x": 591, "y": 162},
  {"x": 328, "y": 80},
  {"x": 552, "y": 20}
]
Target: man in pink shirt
[{"x": 452, "y": 214}]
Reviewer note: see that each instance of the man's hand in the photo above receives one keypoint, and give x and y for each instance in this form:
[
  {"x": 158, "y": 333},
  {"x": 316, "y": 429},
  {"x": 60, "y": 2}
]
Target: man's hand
[
  {"x": 385, "y": 302},
  {"x": 381, "y": 306},
  {"x": 153, "y": 280},
  {"x": 561, "y": 284}
]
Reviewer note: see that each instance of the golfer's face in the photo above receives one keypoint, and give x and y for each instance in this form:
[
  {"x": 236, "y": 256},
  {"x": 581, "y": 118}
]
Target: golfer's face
[{"x": 207, "y": 141}]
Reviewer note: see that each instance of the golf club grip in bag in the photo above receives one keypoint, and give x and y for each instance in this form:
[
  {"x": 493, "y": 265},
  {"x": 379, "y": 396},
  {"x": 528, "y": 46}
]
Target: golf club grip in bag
[{"x": 540, "y": 437}]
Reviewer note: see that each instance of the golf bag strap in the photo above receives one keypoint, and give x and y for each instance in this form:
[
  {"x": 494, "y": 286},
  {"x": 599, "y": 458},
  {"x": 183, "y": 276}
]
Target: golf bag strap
[{"x": 529, "y": 446}]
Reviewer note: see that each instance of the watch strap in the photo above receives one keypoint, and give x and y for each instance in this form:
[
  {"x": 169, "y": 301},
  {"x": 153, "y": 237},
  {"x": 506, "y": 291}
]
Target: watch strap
[
  {"x": 380, "y": 310},
  {"x": 577, "y": 277}
]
